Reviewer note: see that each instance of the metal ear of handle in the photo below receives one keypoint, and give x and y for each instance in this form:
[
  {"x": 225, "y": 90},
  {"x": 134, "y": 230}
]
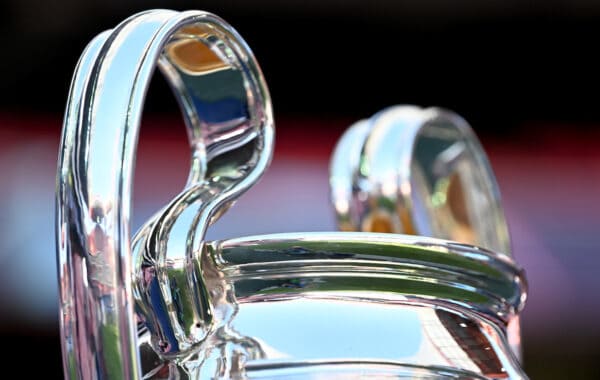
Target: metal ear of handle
[
  {"x": 419, "y": 171},
  {"x": 227, "y": 111}
]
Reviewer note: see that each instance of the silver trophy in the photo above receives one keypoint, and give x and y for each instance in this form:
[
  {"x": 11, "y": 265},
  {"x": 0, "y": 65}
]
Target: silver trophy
[{"x": 165, "y": 303}]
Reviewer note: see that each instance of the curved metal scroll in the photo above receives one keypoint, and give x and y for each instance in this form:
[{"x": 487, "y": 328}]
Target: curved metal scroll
[
  {"x": 419, "y": 171},
  {"x": 226, "y": 106}
]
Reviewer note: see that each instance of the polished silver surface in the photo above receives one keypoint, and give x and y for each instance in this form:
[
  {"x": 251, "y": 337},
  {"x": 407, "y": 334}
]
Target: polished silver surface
[
  {"x": 227, "y": 111},
  {"x": 167, "y": 304},
  {"x": 349, "y": 305},
  {"x": 419, "y": 171}
]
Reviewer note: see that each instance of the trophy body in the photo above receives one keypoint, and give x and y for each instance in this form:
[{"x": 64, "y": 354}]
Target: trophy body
[
  {"x": 352, "y": 305},
  {"x": 166, "y": 303}
]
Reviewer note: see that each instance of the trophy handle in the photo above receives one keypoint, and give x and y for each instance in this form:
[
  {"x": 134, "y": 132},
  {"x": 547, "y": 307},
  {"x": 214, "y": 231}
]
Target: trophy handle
[
  {"x": 423, "y": 172},
  {"x": 227, "y": 111},
  {"x": 418, "y": 171}
]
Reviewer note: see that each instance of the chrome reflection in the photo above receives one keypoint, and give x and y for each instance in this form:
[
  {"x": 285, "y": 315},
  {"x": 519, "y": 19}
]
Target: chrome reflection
[
  {"x": 227, "y": 111},
  {"x": 167, "y": 304},
  {"x": 319, "y": 303},
  {"x": 417, "y": 171}
]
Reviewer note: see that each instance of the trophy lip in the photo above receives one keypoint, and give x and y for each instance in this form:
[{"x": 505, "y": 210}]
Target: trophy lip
[
  {"x": 375, "y": 239},
  {"x": 443, "y": 262},
  {"x": 365, "y": 366}
]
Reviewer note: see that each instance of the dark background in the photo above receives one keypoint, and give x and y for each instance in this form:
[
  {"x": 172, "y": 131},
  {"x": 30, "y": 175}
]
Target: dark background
[
  {"x": 501, "y": 63},
  {"x": 523, "y": 73}
]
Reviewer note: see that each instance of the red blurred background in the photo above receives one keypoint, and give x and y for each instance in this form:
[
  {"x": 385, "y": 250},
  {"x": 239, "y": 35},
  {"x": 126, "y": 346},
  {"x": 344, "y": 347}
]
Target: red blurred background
[{"x": 523, "y": 74}]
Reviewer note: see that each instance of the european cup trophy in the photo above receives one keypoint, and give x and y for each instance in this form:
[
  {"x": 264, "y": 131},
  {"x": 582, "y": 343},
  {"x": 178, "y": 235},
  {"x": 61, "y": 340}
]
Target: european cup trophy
[{"x": 384, "y": 298}]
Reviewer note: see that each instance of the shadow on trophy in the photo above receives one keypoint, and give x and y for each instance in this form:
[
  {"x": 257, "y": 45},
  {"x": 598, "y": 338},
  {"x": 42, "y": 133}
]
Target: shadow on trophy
[{"x": 320, "y": 193}]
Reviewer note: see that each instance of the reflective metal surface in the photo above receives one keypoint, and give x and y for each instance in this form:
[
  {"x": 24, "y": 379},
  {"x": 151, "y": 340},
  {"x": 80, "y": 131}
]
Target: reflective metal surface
[
  {"x": 340, "y": 304},
  {"x": 417, "y": 171},
  {"x": 227, "y": 111},
  {"x": 166, "y": 304}
]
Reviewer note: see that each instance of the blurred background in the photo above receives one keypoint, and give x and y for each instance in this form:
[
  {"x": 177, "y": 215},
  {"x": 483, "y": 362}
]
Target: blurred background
[{"x": 525, "y": 74}]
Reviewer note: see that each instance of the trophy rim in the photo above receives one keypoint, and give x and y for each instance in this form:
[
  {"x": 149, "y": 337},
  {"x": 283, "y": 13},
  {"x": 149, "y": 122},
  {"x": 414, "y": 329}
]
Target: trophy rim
[{"x": 415, "y": 258}]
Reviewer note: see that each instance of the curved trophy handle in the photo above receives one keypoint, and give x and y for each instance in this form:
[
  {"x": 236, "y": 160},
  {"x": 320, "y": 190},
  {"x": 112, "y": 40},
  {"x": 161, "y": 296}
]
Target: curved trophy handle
[
  {"x": 423, "y": 172},
  {"x": 417, "y": 171},
  {"x": 226, "y": 107}
]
